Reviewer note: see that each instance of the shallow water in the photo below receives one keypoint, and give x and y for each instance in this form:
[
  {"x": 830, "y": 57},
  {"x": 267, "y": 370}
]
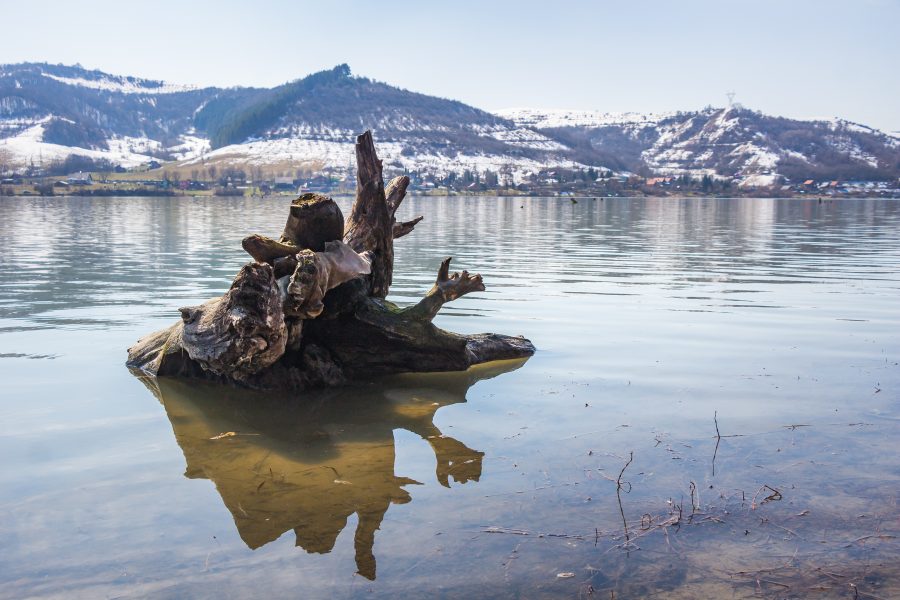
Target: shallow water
[{"x": 657, "y": 321}]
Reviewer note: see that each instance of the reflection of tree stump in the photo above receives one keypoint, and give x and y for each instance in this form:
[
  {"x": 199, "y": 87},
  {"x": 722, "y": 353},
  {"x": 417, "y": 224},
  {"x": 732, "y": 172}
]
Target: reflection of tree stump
[
  {"x": 310, "y": 312},
  {"x": 306, "y": 467}
]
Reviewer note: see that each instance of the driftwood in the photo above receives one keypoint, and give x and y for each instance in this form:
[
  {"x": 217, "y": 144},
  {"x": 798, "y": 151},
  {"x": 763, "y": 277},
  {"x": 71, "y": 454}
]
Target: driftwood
[{"x": 310, "y": 311}]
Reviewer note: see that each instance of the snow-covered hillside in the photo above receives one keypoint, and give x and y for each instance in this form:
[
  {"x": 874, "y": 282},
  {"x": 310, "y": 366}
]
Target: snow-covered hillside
[
  {"x": 26, "y": 145},
  {"x": 737, "y": 143},
  {"x": 51, "y": 112},
  {"x": 337, "y": 154},
  {"x": 539, "y": 118},
  {"x": 311, "y": 122}
]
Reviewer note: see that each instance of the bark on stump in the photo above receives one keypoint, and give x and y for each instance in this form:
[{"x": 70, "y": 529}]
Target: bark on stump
[{"x": 310, "y": 311}]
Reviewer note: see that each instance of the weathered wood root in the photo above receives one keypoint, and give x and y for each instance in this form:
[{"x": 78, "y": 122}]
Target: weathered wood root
[
  {"x": 241, "y": 333},
  {"x": 406, "y": 227},
  {"x": 370, "y": 224},
  {"x": 234, "y": 336},
  {"x": 318, "y": 272},
  {"x": 375, "y": 337},
  {"x": 313, "y": 221},
  {"x": 394, "y": 193},
  {"x": 267, "y": 250},
  {"x": 304, "y": 316}
]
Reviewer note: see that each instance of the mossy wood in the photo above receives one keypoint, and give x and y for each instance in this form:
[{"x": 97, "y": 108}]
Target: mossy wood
[{"x": 310, "y": 310}]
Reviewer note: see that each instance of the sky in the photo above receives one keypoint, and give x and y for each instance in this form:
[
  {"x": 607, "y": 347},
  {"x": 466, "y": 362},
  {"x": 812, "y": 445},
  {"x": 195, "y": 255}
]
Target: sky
[{"x": 796, "y": 58}]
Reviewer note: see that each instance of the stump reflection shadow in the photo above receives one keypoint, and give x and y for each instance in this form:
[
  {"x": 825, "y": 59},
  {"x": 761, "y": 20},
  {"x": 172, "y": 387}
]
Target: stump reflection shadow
[{"x": 281, "y": 463}]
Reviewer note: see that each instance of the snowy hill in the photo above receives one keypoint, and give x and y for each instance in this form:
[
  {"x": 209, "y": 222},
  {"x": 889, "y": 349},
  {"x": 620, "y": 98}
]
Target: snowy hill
[
  {"x": 315, "y": 120},
  {"x": 723, "y": 142},
  {"x": 51, "y": 112}
]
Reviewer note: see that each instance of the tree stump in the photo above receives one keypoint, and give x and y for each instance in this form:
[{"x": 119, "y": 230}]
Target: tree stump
[{"x": 310, "y": 311}]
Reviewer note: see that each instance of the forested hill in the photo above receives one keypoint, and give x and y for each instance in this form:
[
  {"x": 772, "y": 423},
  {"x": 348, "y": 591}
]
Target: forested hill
[{"x": 333, "y": 101}]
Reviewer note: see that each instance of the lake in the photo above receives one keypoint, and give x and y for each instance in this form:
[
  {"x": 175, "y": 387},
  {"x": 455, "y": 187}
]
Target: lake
[{"x": 712, "y": 410}]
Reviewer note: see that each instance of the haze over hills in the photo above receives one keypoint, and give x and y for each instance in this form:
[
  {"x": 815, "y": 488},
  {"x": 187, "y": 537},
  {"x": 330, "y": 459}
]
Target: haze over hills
[{"x": 49, "y": 112}]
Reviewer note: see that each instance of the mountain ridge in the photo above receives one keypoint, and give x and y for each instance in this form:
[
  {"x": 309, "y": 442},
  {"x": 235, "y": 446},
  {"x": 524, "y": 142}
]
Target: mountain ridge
[{"x": 49, "y": 112}]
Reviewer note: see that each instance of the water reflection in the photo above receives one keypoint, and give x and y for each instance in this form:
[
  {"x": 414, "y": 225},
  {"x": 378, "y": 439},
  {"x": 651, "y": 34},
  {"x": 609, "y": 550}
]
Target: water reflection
[{"x": 282, "y": 465}]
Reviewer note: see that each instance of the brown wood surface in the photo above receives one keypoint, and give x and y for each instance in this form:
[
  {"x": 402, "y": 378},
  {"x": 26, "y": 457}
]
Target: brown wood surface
[{"x": 310, "y": 311}]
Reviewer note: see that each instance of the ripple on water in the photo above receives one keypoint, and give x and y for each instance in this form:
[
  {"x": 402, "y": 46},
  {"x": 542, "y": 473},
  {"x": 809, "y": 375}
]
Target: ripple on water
[{"x": 653, "y": 317}]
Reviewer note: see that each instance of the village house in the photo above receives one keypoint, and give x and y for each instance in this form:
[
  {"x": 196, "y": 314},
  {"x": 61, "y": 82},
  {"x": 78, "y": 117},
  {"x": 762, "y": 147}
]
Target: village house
[
  {"x": 284, "y": 184},
  {"x": 80, "y": 178}
]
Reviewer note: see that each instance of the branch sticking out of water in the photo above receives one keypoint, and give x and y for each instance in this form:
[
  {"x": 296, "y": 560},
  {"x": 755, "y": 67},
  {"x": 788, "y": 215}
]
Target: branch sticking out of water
[
  {"x": 695, "y": 504},
  {"x": 619, "y": 484},
  {"x": 773, "y": 497},
  {"x": 718, "y": 441},
  {"x": 619, "y": 487}
]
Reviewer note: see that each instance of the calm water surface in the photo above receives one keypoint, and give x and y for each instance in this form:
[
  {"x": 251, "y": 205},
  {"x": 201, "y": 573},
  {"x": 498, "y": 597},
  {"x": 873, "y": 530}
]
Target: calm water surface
[{"x": 657, "y": 321}]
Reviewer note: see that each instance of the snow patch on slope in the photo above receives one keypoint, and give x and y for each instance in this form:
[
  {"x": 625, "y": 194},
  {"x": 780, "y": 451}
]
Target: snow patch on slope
[
  {"x": 541, "y": 118},
  {"x": 758, "y": 181},
  {"x": 340, "y": 156},
  {"x": 755, "y": 157},
  {"x": 527, "y": 138},
  {"x": 192, "y": 146},
  {"x": 28, "y": 147},
  {"x": 124, "y": 86}
]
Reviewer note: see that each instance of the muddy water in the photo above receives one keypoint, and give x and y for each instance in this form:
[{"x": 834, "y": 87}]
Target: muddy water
[{"x": 738, "y": 358}]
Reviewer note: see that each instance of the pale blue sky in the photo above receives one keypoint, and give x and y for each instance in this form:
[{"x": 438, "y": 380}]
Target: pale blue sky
[{"x": 797, "y": 58}]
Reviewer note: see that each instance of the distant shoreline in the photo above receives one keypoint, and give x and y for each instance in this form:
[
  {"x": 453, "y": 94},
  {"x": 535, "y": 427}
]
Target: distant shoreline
[{"x": 570, "y": 198}]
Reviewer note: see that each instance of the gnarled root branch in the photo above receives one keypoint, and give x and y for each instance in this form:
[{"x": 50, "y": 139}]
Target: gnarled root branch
[
  {"x": 446, "y": 288},
  {"x": 301, "y": 316}
]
